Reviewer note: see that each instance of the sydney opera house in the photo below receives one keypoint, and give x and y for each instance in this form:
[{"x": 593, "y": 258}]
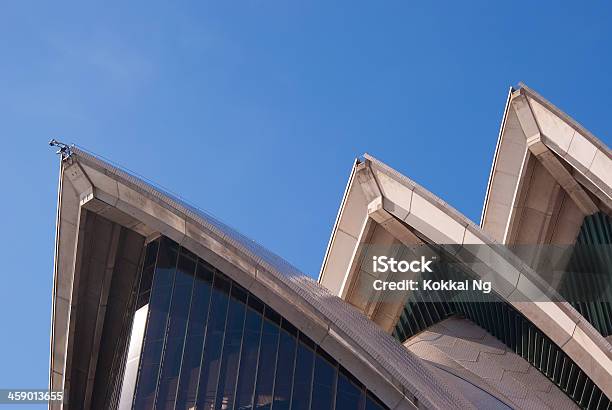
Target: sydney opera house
[{"x": 157, "y": 304}]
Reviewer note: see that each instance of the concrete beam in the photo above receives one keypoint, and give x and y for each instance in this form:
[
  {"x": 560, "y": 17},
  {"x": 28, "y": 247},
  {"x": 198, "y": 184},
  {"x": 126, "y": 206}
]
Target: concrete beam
[
  {"x": 79, "y": 180},
  {"x": 365, "y": 234},
  {"x": 74, "y": 277},
  {"x": 102, "y": 303},
  {"x": 547, "y": 158},
  {"x": 567, "y": 182},
  {"x": 605, "y": 202},
  {"x": 377, "y": 214},
  {"x": 378, "y": 207},
  {"x": 368, "y": 183}
]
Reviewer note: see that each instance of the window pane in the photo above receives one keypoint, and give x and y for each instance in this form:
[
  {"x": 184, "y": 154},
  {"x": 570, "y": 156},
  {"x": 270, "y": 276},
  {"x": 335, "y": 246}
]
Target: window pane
[
  {"x": 302, "y": 382},
  {"x": 210, "y": 344},
  {"x": 248, "y": 360},
  {"x": 156, "y": 324},
  {"x": 348, "y": 395},
  {"x": 231, "y": 353},
  {"x": 266, "y": 365},
  {"x": 209, "y": 372},
  {"x": 146, "y": 279},
  {"x": 177, "y": 324},
  {"x": 323, "y": 384},
  {"x": 190, "y": 370},
  {"x": 372, "y": 403},
  {"x": 284, "y": 371},
  {"x": 151, "y": 254},
  {"x": 133, "y": 357}
]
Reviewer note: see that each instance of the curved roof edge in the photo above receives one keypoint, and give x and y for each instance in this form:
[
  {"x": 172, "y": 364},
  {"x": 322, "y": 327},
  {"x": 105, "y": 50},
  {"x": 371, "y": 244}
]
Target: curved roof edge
[
  {"x": 540, "y": 146},
  {"x": 382, "y": 194},
  {"x": 572, "y": 122},
  {"x": 337, "y": 221},
  {"x": 398, "y": 378},
  {"x": 496, "y": 153}
]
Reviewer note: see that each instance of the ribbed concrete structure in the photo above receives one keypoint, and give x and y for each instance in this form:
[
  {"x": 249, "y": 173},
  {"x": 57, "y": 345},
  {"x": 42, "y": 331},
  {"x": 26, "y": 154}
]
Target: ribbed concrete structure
[
  {"x": 521, "y": 346},
  {"x": 549, "y": 179},
  {"x": 91, "y": 188}
]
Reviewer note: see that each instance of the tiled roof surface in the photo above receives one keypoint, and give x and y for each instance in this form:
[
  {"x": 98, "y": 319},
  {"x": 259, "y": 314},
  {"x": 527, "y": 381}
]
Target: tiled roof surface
[{"x": 408, "y": 371}]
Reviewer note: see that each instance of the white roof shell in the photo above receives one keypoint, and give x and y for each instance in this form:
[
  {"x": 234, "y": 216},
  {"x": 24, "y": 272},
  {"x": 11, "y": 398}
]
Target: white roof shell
[
  {"x": 378, "y": 195},
  {"x": 396, "y": 376}
]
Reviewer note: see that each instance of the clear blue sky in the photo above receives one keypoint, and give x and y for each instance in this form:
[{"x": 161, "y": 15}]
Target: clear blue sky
[{"x": 255, "y": 110}]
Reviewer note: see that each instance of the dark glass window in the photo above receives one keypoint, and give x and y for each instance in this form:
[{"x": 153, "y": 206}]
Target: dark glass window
[
  {"x": 213, "y": 346},
  {"x": 284, "y": 371},
  {"x": 145, "y": 286},
  {"x": 302, "y": 378},
  {"x": 196, "y": 330},
  {"x": 348, "y": 394},
  {"x": 175, "y": 334},
  {"x": 159, "y": 305},
  {"x": 267, "y": 365},
  {"x": 151, "y": 254},
  {"x": 210, "y": 344},
  {"x": 248, "y": 359},
  {"x": 324, "y": 384},
  {"x": 372, "y": 403},
  {"x": 228, "y": 372}
]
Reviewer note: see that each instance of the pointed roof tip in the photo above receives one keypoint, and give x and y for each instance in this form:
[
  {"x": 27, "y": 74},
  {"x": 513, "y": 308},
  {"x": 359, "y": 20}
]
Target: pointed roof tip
[
  {"x": 368, "y": 156},
  {"x": 585, "y": 138},
  {"x": 522, "y": 87},
  {"x": 564, "y": 116},
  {"x": 365, "y": 157}
]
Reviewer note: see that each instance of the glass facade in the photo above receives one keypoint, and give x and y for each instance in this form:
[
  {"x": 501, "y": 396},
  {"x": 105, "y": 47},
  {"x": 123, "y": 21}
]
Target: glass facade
[{"x": 210, "y": 344}]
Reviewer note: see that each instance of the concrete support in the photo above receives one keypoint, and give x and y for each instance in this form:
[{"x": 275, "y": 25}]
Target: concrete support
[
  {"x": 375, "y": 306},
  {"x": 368, "y": 183},
  {"x": 72, "y": 313},
  {"x": 548, "y": 159},
  {"x": 397, "y": 378},
  {"x": 79, "y": 180},
  {"x": 377, "y": 210},
  {"x": 106, "y": 283}
]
